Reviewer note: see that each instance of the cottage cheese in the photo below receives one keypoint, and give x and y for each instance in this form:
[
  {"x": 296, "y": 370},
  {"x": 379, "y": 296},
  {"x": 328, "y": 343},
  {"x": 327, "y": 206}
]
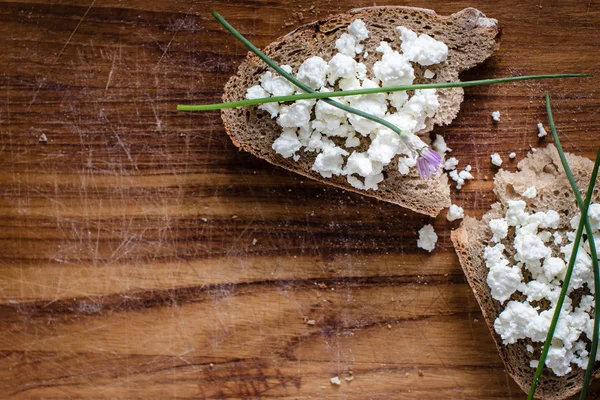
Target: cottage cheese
[
  {"x": 530, "y": 193},
  {"x": 422, "y": 49},
  {"x": 428, "y": 74},
  {"x": 313, "y": 72},
  {"x": 450, "y": 164},
  {"x": 455, "y": 212},
  {"x": 331, "y": 134},
  {"x": 537, "y": 249},
  {"x": 427, "y": 238},
  {"x": 541, "y": 131},
  {"x": 496, "y": 159}
]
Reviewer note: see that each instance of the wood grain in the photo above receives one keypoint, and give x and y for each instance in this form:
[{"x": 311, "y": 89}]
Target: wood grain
[{"x": 143, "y": 256}]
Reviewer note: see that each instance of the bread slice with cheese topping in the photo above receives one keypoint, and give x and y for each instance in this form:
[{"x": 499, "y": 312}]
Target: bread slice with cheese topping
[
  {"x": 470, "y": 37},
  {"x": 544, "y": 170}
]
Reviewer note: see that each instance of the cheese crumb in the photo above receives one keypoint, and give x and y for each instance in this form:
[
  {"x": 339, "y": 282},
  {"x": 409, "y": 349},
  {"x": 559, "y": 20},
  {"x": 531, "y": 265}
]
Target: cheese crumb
[
  {"x": 455, "y": 212},
  {"x": 496, "y": 116},
  {"x": 428, "y": 74},
  {"x": 422, "y": 49},
  {"x": 440, "y": 146},
  {"x": 427, "y": 238},
  {"x": 499, "y": 229},
  {"x": 496, "y": 159},
  {"x": 450, "y": 164},
  {"x": 530, "y": 192},
  {"x": 541, "y": 131},
  {"x": 529, "y": 348}
]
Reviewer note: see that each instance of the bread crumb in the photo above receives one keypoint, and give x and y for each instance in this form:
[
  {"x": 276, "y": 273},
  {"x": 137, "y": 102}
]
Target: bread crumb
[
  {"x": 254, "y": 241},
  {"x": 211, "y": 365},
  {"x": 349, "y": 378},
  {"x": 389, "y": 326},
  {"x": 336, "y": 381},
  {"x": 204, "y": 219},
  {"x": 310, "y": 322},
  {"x": 512, "y": 155},
  {"x": 496, "y": 116},
  {"x": 43, "y": 138},
  {"x": 406, "y": 374},
  {"x": 475, "y": 320}
]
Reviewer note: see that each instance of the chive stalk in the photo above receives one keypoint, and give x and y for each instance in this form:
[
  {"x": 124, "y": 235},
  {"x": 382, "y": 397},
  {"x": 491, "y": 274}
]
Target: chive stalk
[
  {"x": 583, "y": 222},
  {"x": 387, "y": 89}
]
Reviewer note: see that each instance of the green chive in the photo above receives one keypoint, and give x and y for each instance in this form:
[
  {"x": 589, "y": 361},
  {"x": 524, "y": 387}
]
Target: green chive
[
  {"x": 594, "y": 349},
  {"x": 583, "y": 222},
  {"x": 298, "y": 83},
  {"x": 387, "y": 89}
]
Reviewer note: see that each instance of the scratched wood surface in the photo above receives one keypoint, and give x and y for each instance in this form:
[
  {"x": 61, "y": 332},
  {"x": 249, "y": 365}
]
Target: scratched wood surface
[{"x": 143, "y": 256}]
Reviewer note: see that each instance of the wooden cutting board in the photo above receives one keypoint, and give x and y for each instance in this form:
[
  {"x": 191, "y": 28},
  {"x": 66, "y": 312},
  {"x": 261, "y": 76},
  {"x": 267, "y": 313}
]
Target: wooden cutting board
[{"x": 143, "y": 256}]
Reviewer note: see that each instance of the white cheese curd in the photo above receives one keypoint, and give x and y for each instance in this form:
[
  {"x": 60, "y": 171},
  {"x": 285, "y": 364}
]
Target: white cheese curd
[
  {"x": 450, "y": 164},
  {"x": 346, "y": 44},
  {"x": 530, "y": 349},
  {"x": 427, "y": 238},
  {"x": 330, "y": 134},
  {"x": 330, "y": 161},
  {"x": 428, "y": 74},
  {"x": 258, "y": 92},
  {"x": 499, "y": 228},
  {"x": 398, "y": 99},
  {"x": 341, "y": 66},
  {"x": 359, "y": 30},
  {"x": 440, "y": 146},
  {"x": 541, "y": 131},
  {"x": 422, "y": 49},
  {"x": 362, "y": 165},
  {"x": 455, "y": 212},
  {"x": 313, "y": 72},
  {"x": 277, "y": 85},
  {"x": 287, "y": 144},
  {"x": 496, "y": 116},
  {"x": 513, "y": 321},
  {"x": 530, "y": 192},
  {"x": 516, "y": 214},
  {"x": 294, "y": 116},
  {"x": 536, "y": 248},
  {"x": 424, "y": 103},
  {"x": 496, "y": 159},
  {"x": 405, "y": 164},
  {"x": 393, "y": 69},
  {"x": 454, "y": 176},
  {"x": 504, "y": 281}
]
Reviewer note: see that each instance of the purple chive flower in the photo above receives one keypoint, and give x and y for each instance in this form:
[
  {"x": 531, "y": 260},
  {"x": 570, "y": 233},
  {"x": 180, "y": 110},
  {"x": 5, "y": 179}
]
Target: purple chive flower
[{"x": 428, "y": 162}]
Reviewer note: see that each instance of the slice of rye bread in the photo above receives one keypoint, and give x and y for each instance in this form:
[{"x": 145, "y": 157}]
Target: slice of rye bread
[
  {"x": 544, "y": 170},
  {"x": 471, "y": 38}
]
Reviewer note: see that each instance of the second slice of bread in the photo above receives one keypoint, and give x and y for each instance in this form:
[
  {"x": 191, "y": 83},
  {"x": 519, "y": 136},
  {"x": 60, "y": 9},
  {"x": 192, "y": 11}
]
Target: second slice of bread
[{"x": 544, "y": 170}]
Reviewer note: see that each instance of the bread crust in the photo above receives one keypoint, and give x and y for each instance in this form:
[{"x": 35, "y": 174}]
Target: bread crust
[{"x": 470, "y": 42}]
